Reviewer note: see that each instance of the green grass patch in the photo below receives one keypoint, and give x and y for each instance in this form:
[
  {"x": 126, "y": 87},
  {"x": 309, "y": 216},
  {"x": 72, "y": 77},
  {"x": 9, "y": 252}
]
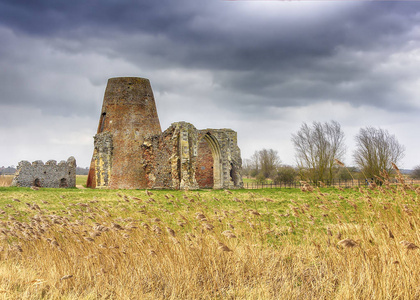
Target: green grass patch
[
  {"x": 268, "y": 214},
  {"x": 81, "y": 180}
]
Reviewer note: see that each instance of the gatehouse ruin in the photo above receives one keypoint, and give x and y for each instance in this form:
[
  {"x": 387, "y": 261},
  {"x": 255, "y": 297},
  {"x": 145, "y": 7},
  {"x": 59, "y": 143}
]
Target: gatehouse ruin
[
  {"x": 48, "y": 175},
  {"x": 132, "y": 152}
]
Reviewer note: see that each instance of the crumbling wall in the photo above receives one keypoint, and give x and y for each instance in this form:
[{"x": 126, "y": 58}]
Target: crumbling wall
[
  {"x": 169, "y": 159},
  {"x": 49, "y": 175},
  {"x": 156, "y": 160},
  {"x": 186, "y": 158},
  {"x": 187, "y": 155},
  {"x": 132, "y": 152},
  {"x": 227, "y": 157},
  {"x": 102, "y": 157}
]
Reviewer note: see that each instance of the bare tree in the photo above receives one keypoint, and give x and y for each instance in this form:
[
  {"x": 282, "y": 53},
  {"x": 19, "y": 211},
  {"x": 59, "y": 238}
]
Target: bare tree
[
  {"x": 264, "y": 163},
  {"x": 255, "y": 164},
  {"x": 416, "y": 172},
  {"x": 316, "y": 148},
  {"x": 376, "y": 150},
  {"x": 246, "y": 167},
  {"x": 269, "y": 161}
]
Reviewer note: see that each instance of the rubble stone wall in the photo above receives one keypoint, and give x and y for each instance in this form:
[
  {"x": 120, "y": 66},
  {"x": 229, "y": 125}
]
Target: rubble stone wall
[
  {"x": 103, "y": 154},
  {"x": 48, "y": 175},
  {"x": 156, "y": 160},
  {"x": 227, "y": 157}
]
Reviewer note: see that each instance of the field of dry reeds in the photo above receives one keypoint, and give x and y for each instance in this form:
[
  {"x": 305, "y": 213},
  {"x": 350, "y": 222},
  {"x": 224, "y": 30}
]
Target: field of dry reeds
[
  {"x": 265, "y": 244},
  {"x": 6, "y": 180}
]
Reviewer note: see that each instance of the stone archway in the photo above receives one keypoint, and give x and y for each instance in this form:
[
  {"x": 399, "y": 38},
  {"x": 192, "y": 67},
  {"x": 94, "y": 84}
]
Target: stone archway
[
  {"x": 63, "y": 183},
  {"x": 208, "y": 167},
  {"x": 37, "y": 182}
]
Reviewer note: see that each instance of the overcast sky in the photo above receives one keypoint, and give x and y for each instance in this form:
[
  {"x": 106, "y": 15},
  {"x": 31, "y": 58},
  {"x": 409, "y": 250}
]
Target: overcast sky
[{"x": 261, "y": 68}]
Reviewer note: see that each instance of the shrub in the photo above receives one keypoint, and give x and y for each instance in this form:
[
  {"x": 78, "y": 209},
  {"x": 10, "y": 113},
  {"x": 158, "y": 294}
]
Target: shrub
[
  {"x": 416, "y": 172},
  {"x": 260, "y": 178},
  {"x": 286, "y": 174}
]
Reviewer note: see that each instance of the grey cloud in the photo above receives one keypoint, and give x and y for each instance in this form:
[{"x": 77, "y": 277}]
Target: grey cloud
[
  {"x": 199, "y": 34},
  {"x": 245, "y": 59},
  {"x": 52, "y": 18},
  {"x": 281, "y": 64}
]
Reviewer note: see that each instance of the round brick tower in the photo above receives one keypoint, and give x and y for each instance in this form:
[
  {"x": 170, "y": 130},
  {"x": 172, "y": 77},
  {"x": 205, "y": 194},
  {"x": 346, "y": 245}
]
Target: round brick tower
[{"x": 128, "y": 115}]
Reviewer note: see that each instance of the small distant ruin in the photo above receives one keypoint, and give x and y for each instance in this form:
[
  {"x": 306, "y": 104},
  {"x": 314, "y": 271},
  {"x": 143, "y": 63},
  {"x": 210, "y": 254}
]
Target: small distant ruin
[
  {"x": 132, "y": 152},
  {"x": 48, "y": 175}
]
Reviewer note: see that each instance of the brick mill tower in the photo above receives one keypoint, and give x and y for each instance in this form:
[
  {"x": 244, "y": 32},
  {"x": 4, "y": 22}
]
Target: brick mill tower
[
  {"x": 132, "y": 152},
  {"x": 128, "y": 116}
]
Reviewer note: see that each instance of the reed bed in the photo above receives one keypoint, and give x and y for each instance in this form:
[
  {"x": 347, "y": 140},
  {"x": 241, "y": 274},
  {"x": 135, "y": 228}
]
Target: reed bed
[
  {"x": 311, "y": 244},
  {"x": 5, "y": 180}
]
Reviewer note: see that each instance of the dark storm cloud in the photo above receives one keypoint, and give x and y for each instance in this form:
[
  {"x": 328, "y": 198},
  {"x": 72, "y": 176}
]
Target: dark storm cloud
[
  {"x": 259, "y": 67},
  {"x": 271, "y": 58},
  {"x": 214, "y": 34},
  {"x": 52, "y": 17}
]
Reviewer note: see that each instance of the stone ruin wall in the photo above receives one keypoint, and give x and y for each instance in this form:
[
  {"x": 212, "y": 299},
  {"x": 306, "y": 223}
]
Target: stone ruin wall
[
  {"x": 157, "y": 162},
  {"x": 182, "y": 157},
  {"x": 225, "y": 142},
  {"x": 186, "y": 158},
  {"x": 131, "y": 151},
  {"x": 167, "y": 158},
  {"x": 48, "y": 175},
  {"x": 102, "y": 158}
]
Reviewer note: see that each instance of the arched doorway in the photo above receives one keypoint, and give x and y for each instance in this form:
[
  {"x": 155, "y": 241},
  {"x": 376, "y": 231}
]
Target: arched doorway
[
  {"x": 63, "y": 183},
  {"x": 37, "y": 182},
  {"x": 208, "y": 166}
]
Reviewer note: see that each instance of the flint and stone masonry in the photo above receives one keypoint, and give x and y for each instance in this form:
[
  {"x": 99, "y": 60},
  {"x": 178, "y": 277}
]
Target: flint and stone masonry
[
  {"x": 132, "y": 152},
  {"x": 49, "y": 175}
]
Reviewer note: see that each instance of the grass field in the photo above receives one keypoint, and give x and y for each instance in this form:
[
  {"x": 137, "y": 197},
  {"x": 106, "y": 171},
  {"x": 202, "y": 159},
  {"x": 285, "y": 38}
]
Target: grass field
[
  {"x": 264, "y": 244},
  {"x": 253, "y": 180},
  {"x": 81, "y": 180}
]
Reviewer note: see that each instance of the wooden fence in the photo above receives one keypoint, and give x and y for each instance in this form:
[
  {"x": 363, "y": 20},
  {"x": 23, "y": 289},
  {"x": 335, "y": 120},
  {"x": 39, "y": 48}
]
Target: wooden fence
[{"x": 335, "y": 183}]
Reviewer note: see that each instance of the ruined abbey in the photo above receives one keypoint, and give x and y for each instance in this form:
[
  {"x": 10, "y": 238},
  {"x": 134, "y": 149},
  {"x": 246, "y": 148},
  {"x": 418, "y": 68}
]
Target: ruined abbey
[{"x": 132, "y": 152}]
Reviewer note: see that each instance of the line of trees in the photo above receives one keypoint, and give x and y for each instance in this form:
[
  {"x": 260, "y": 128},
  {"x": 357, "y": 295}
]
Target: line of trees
[
  {"x": 319, "y": 150},
  {"x": 266, "y": 164}
]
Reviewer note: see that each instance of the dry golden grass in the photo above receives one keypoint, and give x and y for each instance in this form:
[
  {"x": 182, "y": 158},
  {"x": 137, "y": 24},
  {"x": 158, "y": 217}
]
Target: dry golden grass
[
  {"x": 6, "y": 180},
  {"x": 211, "y": 245}
]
